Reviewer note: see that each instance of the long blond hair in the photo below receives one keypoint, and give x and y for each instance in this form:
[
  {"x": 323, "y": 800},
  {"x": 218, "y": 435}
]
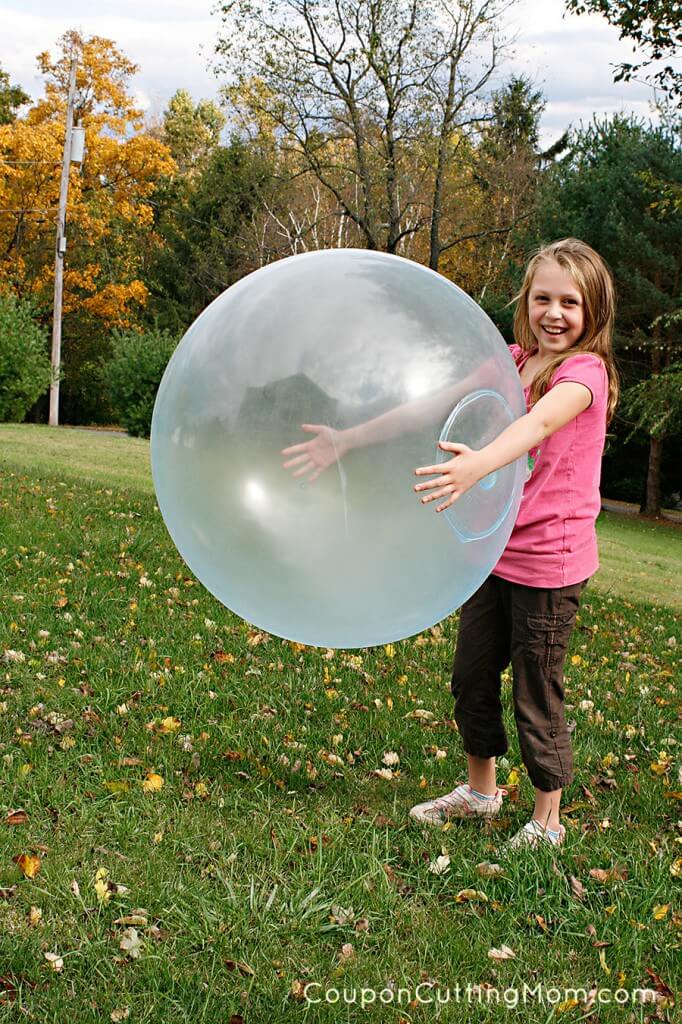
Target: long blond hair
[{"x": 595, "y": 283}]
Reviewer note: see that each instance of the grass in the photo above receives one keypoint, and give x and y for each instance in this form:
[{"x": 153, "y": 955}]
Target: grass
[{"x": 262, "y": 859}]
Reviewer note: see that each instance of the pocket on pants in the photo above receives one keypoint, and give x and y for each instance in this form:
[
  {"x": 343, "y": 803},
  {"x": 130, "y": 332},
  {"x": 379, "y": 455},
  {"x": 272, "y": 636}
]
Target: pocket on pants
[{"x": 548, "y": 634}]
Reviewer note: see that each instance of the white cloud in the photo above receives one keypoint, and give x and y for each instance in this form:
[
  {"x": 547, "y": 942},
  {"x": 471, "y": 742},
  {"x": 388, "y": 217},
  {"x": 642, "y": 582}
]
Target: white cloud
[{"x": 569, "y": 57}]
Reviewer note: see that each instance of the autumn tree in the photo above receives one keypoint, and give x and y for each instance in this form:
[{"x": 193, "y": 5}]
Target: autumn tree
[
  {"x": 109, "y": 213},
  {"x": 373, "y": 98}
]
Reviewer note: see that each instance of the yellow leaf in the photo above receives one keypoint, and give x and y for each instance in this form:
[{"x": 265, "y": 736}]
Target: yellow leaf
[
  {"x": 390, "y": 650},
  {"x": 117, "y": 786},
  {"x": 169, "y": 724},
  {"x": 466, "y": 895},
  {"x": 602, "y": 960},
  {"x": 28, "y": 864},
  {"x": 513, "y": 778},
  {"x": 676, "y": 868},
  {"x": 660, "y": 911},
  {"x": 152, "y": 783}
]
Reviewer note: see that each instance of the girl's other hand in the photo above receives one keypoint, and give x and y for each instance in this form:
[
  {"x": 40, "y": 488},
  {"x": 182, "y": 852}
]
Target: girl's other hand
[
  {"x": 326, "y": 448},
  {"x": 454, "y": 477}
]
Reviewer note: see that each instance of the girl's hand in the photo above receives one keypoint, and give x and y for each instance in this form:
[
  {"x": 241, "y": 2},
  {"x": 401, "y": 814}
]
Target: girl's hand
[
  {"x": 326, "y": 448},
  {"x": 455, "y": 477}
]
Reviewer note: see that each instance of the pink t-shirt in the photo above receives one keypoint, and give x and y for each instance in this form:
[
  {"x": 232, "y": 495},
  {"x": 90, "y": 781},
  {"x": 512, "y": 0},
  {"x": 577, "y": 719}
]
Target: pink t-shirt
[{"x": 554, "y": 543}]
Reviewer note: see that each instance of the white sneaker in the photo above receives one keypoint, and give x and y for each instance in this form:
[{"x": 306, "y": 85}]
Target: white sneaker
[
  {"x": 533, "y": 834},
  {"x": 462, "y": 802}
]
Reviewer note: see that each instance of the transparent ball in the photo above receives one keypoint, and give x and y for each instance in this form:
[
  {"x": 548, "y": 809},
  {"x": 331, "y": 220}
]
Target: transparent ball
[{"x": 329, "y": 545}]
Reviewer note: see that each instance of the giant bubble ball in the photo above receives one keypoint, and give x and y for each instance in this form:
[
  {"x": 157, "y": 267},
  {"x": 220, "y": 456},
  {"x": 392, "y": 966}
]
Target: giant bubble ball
[{"x": 316, "y": 535}]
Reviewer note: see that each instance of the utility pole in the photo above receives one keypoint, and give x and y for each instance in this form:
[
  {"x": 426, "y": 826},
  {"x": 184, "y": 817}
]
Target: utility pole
[{"x": 60, "y": 250}]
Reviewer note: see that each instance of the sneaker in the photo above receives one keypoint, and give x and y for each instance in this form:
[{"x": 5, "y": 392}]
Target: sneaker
[
  {"x": 463, "y": 802},
  {"x": 533, "y": 834}
]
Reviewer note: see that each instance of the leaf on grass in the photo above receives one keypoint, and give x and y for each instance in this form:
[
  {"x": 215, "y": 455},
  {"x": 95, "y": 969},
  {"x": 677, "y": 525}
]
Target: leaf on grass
[
  {"x": 618, "y": 873},
  {"x": 169, "y": 725},
  {"x": 8, "y": 892},
  {"x": 28, "y": 864},
  {"x": 577, "y": 887},
  {"x": 676, "y": 868},
  {"x": 504, "y": 953},
  {"x": 17, "y": 817},
  {"x": 660, "y": 911},
  {"x": 138, "y": 917},
  {"x": 55, "y": 961},
  {"x": 117, "y": 786},
  {"x": 152, "y": 783},
  {"x": 487, "y": 870},
  {"x": 659, "y": 984},
  {"x": 440, "y": 865},
  {"x": 131, "y": 943},
  {"x": 421, "y": 714},
  {"x": 239, "y": 965},
  {"x": 602, "y": 960},
  {"x": 34, "y": 916},
  {"x": 346, "y": 953},
  {"x": 470, "y": 895},
  {"x": 121, "y": 1014}
]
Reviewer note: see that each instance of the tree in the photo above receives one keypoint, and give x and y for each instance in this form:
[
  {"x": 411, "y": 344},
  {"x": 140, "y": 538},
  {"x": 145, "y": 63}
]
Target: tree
[
  {"x": 191, "y": 130},
  {"x": 372, "y": 97},
  {"x": 109, "y": 215},
  {"x": 612, "y": 190},
  {"x": 12, "y": 98},
  {"x": 655, "y": 25},
  {"x": 205, "y": 232}
]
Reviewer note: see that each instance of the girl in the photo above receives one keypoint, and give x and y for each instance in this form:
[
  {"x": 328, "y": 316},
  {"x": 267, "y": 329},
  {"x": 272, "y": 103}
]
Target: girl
[{"x": 525, "y": 611}]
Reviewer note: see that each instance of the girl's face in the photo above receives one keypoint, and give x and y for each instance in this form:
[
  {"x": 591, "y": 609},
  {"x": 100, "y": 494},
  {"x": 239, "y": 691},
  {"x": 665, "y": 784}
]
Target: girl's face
[{"x": 555, "y": 309}]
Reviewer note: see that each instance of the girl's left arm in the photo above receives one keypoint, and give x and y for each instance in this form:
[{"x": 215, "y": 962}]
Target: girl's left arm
[{"x": 558, "y": 407}]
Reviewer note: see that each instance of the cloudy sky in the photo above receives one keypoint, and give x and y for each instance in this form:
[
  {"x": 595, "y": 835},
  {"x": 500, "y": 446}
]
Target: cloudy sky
[{"x": 568, "y": 57}]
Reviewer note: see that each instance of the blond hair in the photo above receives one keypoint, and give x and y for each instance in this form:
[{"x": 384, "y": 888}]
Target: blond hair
[{"x": 595, "y": 283}]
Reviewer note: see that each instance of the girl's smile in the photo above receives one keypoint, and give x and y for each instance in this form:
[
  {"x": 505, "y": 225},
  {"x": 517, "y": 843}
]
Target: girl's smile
[{"x": 555, "y": 309}]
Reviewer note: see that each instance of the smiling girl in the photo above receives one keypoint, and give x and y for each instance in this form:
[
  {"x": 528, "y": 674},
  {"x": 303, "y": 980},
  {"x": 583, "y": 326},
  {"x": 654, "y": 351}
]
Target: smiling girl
[{"x": 525, "y": 611}]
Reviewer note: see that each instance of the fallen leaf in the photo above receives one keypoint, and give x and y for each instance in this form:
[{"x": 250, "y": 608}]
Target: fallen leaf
[
  {"x": 239, "y": 965},
  {"x": 131, "y": 943},
  {"x": 468, "y": 895},
  {"x": 118, "y": 1015},
  {"x": 347, "y": 953},
  {"x": 55, "y": 961},
  {"x": 152, "y": 783},
  {"x": 577, "y": 887},
  {"x": 659, "y": 984},
  {"x": 618, "y": 873},
  {"x": 441, "y": 864},
  {"x": 660, "y": 911},
  {"x": 18, "y": 817},
  {"x": 504, "y": 953},
  {"x": 28, "y": 864},
  {"x": 34, "y": 916},
  {"x": 487, "y": 870}
]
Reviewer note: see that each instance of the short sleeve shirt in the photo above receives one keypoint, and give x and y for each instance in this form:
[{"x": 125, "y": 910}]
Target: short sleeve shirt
[{"x": 554, "y": 541}]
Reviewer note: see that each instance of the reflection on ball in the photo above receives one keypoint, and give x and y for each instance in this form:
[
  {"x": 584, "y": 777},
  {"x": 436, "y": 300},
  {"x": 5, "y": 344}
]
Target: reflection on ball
[{"x": 329, "y": 545}]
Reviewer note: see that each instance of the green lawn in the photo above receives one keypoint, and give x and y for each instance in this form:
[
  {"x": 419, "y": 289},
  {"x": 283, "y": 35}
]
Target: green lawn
[{"x": 202, "y": 802}]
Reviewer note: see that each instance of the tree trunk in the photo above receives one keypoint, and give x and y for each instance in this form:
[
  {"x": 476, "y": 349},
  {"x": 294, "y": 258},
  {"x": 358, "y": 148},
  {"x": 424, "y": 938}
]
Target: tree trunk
[{"x": 652, "y": 502}]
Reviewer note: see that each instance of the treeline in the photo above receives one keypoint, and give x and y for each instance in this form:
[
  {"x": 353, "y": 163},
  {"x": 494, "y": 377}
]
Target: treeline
[{"x": 373, "y": 126}]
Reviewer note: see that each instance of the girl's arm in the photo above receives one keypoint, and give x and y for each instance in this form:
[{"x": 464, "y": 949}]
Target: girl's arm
[
  {"x": 310, "y": 458},
  {"x": 558, "y": 407}
]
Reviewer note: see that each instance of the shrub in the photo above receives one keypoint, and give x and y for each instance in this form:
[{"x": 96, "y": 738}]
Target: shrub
[
  {"x": 24, "y": 359},
  {"x": 133, "y": 376}
]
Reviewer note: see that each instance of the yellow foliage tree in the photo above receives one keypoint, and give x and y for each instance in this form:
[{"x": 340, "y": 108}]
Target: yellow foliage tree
[{"x": 109, "y": 215}]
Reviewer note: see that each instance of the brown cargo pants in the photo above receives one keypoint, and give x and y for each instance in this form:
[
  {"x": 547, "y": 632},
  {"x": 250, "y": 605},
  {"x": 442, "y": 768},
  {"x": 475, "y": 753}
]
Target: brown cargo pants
[{"x": 530, "y": 627}]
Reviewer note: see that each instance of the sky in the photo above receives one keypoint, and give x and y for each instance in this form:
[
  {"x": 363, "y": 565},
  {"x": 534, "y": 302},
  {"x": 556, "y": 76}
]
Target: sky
[{"x": 568, "y": 57}]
